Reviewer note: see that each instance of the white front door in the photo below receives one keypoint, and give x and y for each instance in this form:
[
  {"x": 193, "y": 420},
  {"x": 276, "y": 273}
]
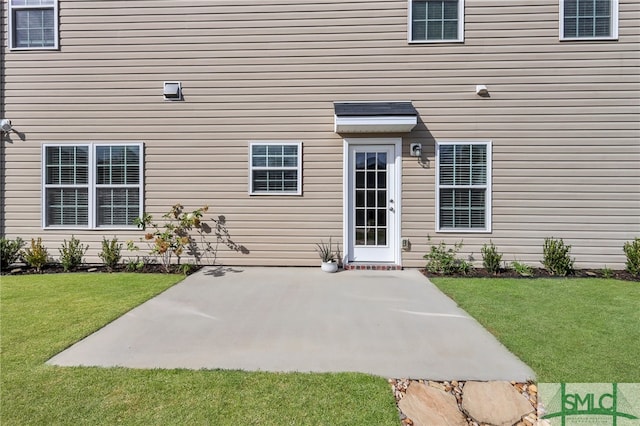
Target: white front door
[{"x": 372, "y": 210}]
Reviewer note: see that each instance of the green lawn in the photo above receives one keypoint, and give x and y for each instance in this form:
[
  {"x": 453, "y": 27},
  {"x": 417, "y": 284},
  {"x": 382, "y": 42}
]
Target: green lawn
[
  {"x": 566, "y": 329},
  {"x": 41, "y": 315}
]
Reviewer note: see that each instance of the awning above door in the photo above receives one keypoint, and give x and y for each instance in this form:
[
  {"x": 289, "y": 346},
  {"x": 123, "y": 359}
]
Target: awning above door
[{"x": 374, "y": 117}]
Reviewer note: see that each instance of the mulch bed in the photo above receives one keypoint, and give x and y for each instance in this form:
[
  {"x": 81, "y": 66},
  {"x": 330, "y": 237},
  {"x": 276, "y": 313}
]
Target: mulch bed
[
  {"x": 543, "y": 273},
  {"x": 55, "y": 268}
]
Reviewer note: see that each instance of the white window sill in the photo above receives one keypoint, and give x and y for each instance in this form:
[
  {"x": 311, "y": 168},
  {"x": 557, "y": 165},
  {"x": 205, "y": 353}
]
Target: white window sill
[
  {"x": 458, "y": 41},
  {"x": 464, "y": 231},
  {"x": 588, "y": 39}
]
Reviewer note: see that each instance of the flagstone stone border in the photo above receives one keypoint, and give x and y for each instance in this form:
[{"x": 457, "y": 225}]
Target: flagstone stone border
[{"x": 422, "y": 402}]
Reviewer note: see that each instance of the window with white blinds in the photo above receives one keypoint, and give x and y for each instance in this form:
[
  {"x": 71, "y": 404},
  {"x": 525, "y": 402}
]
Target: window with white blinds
[
  {"x": 66, "y": 174},
  {"x": 33, "y": 24},
  {"x": 92, "y": 186},
  {"x": 436, "y": 20},
  {"x": 463, "y": 186},
  {"x": 588, "y": 19},
  {"x": 275, "y": 168}
]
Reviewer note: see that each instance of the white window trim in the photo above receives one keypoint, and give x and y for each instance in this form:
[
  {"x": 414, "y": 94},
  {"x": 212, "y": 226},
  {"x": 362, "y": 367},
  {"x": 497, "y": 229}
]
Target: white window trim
[
  {"x": 488, "y": 185},
  {"x": 614, "y": 25},
  {"x": 56, "y": 24},
  {"x": 298, "y": 167},
  {"x": 459, "y": 39},
  {"x": 92, "y": 185}
]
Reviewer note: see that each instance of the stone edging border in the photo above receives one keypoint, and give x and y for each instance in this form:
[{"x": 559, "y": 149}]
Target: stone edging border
[{"x": 487, "y": 403}]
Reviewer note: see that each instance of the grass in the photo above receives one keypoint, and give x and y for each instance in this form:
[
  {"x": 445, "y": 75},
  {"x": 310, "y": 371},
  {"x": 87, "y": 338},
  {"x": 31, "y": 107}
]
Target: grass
[
  {"x": 570, "y": 330},
  {"x": 43, "y": 314}
]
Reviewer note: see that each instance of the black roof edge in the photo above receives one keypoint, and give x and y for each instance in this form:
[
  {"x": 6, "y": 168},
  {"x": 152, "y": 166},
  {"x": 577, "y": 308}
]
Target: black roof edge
[{"x": 372, "y": 109}]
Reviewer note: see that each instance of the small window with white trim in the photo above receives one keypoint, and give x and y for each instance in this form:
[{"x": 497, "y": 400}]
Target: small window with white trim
[
  {"x": 92, "y": 185},
  {"x": 433, "y": 21},
  {"x": 588, "y": 19},
  {"x": 33, "y": 24},
  {"x": 275, "y": 168},
  {"x": 463, "y": 180}
]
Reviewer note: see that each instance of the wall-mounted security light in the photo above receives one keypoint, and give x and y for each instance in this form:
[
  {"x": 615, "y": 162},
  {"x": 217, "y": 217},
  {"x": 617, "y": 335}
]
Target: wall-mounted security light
[
  {"x": 481, "y": 90},
  {"x": 172, "y": 91},
  {"x": 5, "y": 125},
  {"x": 415, "y": 150}
]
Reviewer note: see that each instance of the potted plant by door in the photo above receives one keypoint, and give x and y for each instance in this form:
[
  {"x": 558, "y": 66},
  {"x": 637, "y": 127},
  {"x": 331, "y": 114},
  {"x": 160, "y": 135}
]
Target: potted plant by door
[{"x": 327, "y": 256}]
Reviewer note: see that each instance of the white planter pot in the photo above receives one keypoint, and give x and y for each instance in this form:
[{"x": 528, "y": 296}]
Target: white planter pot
[{"x": 329, "y": 266}]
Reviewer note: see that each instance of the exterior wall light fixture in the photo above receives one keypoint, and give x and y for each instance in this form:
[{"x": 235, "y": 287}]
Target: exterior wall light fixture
[
  {"x": 5, "y": 125},
  {"x": 416, "y": 150}
]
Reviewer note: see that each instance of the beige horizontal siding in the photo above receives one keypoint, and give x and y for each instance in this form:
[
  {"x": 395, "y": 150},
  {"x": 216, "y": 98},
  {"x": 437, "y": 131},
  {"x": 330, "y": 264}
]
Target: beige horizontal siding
[{"x": 563, "y": 117}]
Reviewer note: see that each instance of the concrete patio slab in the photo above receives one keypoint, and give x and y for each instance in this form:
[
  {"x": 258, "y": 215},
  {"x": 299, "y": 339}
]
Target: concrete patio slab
[{"x": 386, "y": 323}]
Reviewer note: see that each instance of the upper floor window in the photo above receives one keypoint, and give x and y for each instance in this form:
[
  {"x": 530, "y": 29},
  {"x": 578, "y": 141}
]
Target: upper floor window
[
  {"x": 275, "y": 168},
  {"x": 588, "y": 19},
  {"x": 463, "y": 181},
  {"x": 91, "y": 186},
  {"x": 436, "y": 20},
  {"x": 33, "y": 24}
]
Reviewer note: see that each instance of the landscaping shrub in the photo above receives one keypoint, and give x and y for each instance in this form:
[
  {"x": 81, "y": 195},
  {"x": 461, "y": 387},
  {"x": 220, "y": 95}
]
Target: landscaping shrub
[
  {"x": 139, "y": 263},
  {"x": 71, "y": 253},
  {"x": 632, "y": 251},
  {"x": 185, "y": 232},
  {"x": 187, "y": 268},
  {"x": 9, "y": 251},
  {"x": 491, "y": 259},
  {"x": 443, "y": 260},
  {"x": 464, "y": 267},
  {"x": 111, "y": 252},
  {"x": 36, "y": 256},
  {"x": 556, "y": 257},
  {"x": 132, "y": 265},
  {"x": 607, "y": 272},
  {"x": 522, "y": 269}
]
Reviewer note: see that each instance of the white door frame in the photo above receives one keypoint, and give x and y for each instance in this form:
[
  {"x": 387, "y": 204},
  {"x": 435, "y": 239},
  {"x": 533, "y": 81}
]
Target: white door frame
[{"x": 396, "y": 218}]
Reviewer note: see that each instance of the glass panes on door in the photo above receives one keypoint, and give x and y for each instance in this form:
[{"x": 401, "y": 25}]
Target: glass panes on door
[{"x": 371, "y": 199}]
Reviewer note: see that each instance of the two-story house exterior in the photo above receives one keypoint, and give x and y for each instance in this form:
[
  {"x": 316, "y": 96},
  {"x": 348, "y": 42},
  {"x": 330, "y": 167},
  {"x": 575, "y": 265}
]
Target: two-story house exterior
[{"x": 387, "y": 125}]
